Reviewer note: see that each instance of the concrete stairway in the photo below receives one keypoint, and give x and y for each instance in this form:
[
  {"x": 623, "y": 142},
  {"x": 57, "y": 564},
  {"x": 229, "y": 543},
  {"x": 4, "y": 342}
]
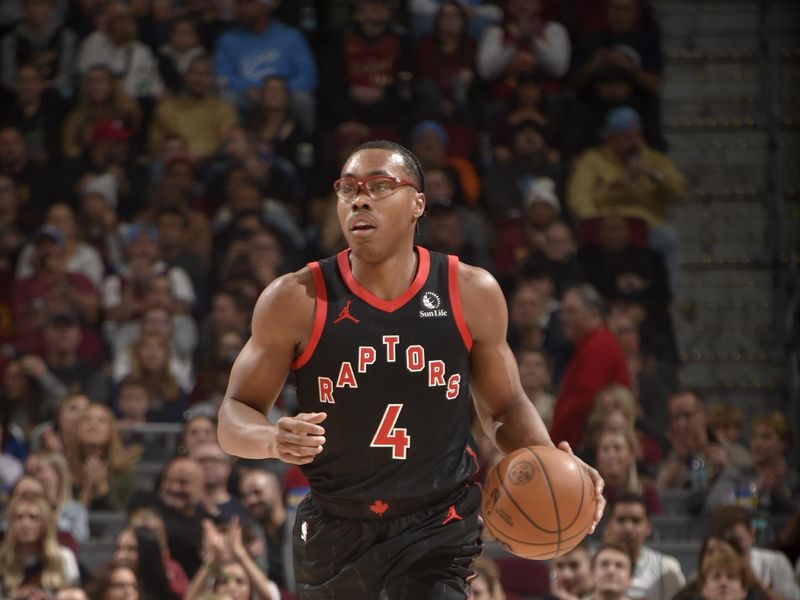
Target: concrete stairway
[{"x": 713, "y": 119}]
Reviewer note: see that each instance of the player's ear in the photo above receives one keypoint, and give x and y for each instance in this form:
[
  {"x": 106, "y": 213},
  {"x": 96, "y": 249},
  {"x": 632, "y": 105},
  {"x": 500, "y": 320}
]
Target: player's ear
[{"x": 419, "y": 205}]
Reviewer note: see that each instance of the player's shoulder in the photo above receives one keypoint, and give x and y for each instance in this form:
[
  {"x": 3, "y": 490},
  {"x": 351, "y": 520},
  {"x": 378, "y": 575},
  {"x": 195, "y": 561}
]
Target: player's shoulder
[
  {"x": 288, "y": 295},
  {"x": 475, "y": 280},
  {"x": 482, "y": 301}
]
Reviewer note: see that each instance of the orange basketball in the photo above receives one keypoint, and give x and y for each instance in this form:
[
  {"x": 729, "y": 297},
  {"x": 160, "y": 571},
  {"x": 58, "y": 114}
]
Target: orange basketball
[{"x": 538, "y": 502}]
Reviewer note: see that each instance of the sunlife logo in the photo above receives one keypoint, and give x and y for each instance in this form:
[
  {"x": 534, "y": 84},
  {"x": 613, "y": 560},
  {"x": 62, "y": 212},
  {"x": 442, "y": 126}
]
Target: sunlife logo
[{"x": 431, "y": 303}]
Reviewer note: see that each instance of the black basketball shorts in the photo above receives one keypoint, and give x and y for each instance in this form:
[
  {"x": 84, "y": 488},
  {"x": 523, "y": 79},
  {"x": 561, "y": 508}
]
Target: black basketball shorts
[{"x": 423, "y": 555}]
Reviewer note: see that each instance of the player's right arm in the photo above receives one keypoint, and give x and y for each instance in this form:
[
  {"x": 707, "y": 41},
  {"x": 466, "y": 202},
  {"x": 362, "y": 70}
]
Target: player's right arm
[{"x": 282, "y": 322}]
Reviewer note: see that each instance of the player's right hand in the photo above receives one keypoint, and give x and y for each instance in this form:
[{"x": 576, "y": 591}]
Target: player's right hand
[{"x": 299, "y": 439}]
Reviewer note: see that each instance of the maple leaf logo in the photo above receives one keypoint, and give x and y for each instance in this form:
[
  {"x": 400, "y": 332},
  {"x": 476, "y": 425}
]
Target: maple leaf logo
[{"x": 379, "y": 507}]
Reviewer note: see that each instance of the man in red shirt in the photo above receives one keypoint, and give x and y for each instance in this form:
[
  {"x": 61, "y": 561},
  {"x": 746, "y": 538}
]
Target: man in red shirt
[{"x": 597, "y": 361}]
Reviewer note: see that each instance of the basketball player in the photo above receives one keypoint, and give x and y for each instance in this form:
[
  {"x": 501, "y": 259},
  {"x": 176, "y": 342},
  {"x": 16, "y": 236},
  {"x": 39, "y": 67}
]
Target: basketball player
[{"x": 387, "y": 341}]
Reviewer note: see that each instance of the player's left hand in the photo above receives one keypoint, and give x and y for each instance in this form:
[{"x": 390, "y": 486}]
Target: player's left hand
[{"x": 598, "y": 482}]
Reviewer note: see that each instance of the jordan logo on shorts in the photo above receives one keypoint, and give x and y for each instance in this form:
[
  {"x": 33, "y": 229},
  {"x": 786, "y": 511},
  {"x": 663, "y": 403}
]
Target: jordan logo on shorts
[
  {"x": 345, "y": 314},
  {"x": 452, "y": 515}
]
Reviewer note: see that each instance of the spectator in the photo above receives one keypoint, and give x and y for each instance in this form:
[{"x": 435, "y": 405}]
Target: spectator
[
  {"x": 217, "y": 501},
  {"x": 13, "y": 238},
  {"x": 445, "y": 232},
  {"x": 695, "y": 460},
  {"x": 71, "y": 593},
  {"x": 177, "y": 53},
  {"x": 237, "y": 576},
  {"x": 34, "y": 187},
  {"x": 151, "y": 362},
  {"x": 571, "y": 576},
  {"x": 139, "y": 550},
  {"x": 258, "y": 258},
  {"x": 100, "y": 465},
  {"x": 150, "y": 519},
  {"x": 124, "y": 294},
  {"x": 725, "y": 424},
  {"x": 261, "y": 47},
  {"x": 521, "y": 236},
  {"x": 771, "y": 569},
  {"x": 655, "y": 576},
  {"x": 55, "y": 435},
  {"x": 769, "y": 484},
  {"x": 508, "y": 181},
  {"x": 524, "y": 42},
  {"x": 197, "y": 430},
  {"x": 273, "y": 123},
  {"x": 115, "y": 45},
  {"x": 534, "y": 374},
  {"x": 178, "y": 248},
  {"x": 229, "y": 311},
  {"x": 101, "y": 96},
  {"x": 597, "y": 361},
  {"x": 212, "y": 380},
  {"x": 98, "y": 218},
  {"x": 486, "y": 585},
  {"x": 39, "y": 113},
  {"x": 624, "y": 176},
  {"x": 560, "y": 256},
  {"x": 197, "y": 114},
  {"x": 179, "y": 502},
  {"x": 445, "y": 66},
  {"x": 616, "y": 452},
  {"x": 617, "y": 407},
  {"x": 262, "y": 497},
  {"x": 24, "y": 401},
  {"x": 41, "y": 40},
  {"x": 52, "y": 471},
  {"x": 613, "y": 571},
  {"x": 114, "y": 582},
  {"x": 526, "y": 317},
  {"x": 724, "y": 578},
  {"x": 370, "y": 67},
  {"x": 430, "y": 142},
  {"x": 133, "y": 402},
  {"x": 481, "y": 14},
  {"x": 81, "y": 257},
  {"x": 31, "y": 560},
  {"x": 11, "y": 468}
]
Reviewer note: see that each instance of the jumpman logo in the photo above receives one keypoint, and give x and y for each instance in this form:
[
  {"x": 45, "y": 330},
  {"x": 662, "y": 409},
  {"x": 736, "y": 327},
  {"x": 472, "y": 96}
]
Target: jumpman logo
[
  {"x": 452, "y": 515},
  {"x": 345, "y": 314}
]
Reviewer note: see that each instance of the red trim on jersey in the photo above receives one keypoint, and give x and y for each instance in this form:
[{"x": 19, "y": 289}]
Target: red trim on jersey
[
  {"x": 320, "y": 312},
  {"x": 455, "y": 301},
  {"x": 372, "y": 299}
]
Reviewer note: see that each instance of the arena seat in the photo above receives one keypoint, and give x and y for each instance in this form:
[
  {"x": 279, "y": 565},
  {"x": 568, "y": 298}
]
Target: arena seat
[{"x": 105, "y": 524}]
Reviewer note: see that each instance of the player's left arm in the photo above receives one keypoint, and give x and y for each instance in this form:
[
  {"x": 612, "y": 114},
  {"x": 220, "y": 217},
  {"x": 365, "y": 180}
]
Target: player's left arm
[{"x": 507, "y": 415}]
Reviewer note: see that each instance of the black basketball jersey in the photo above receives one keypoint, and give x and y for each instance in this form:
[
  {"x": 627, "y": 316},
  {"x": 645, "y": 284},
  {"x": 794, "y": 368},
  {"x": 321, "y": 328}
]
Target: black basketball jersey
[{"x": 393, "y": 378}]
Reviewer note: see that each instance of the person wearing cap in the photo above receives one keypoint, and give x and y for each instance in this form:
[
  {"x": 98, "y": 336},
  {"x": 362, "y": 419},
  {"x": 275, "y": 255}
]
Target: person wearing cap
[
  {"x": 262, "y": 46},
  {"x": 197, "y": 114},
  {"x": 507, "y": 182},
  {"x": 80, "y": 257},
  {"x": 125, "y": 292},
  {"x": 626, "y": 177},
  {"x": 116, "y": 46},
  {"x": 52, "y": 288},
  {"x": 430, "y": 141}
]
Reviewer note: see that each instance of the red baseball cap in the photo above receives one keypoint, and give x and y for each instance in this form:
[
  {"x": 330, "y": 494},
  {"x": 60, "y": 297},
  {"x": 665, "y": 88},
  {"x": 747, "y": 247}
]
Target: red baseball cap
[{"x": 111, "y": 129}]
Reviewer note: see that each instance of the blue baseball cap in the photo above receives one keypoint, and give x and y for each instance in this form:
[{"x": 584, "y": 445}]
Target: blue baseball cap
[
  {"x": 622, "y": 118},
  {"x": 432, "y": 127},
  {"x": 141, "y": 228},
  {"x": 48, "y": 232}
]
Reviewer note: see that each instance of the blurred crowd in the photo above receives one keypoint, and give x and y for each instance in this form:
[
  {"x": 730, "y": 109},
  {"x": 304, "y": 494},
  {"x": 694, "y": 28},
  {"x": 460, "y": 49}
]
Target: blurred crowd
[{"x": 162, "y": 161}]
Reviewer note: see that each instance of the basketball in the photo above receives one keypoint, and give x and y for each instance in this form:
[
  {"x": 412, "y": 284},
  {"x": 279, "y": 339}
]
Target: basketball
[{"x": 538, "y": 502}]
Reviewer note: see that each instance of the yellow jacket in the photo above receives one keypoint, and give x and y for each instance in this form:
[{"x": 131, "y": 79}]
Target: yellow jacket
[{"x": 600, "y": 185}]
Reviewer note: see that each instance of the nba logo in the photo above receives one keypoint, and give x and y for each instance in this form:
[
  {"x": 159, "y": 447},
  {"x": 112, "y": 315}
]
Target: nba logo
[{"x": 304, "y": 531}]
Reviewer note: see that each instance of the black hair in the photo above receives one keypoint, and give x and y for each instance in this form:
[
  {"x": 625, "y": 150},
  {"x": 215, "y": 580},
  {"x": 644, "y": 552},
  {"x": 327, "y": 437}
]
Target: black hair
[
  {"x": 410, "y": 160},
  {"x": 150, "y": 570},
  {"x": 628, "y": 498}
]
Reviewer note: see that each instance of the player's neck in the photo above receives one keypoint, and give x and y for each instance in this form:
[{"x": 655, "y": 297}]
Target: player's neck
[{"x": 389, "y": 278}]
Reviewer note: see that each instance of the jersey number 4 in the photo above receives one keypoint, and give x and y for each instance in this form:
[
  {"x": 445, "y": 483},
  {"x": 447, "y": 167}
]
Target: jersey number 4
[{"x": 389, "y": 436}]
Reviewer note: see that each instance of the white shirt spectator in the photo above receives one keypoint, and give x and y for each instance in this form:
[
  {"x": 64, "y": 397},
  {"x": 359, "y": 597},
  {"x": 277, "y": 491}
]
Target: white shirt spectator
[
  {"x": 657, "y": 576},
  {"x": 180, "y": 285},
  {"x": 774, "y": 570},
  {"x": 134, "y": 63},
  {"x": 85, "y": 260},
  {"x": 552, "y": 49}
]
